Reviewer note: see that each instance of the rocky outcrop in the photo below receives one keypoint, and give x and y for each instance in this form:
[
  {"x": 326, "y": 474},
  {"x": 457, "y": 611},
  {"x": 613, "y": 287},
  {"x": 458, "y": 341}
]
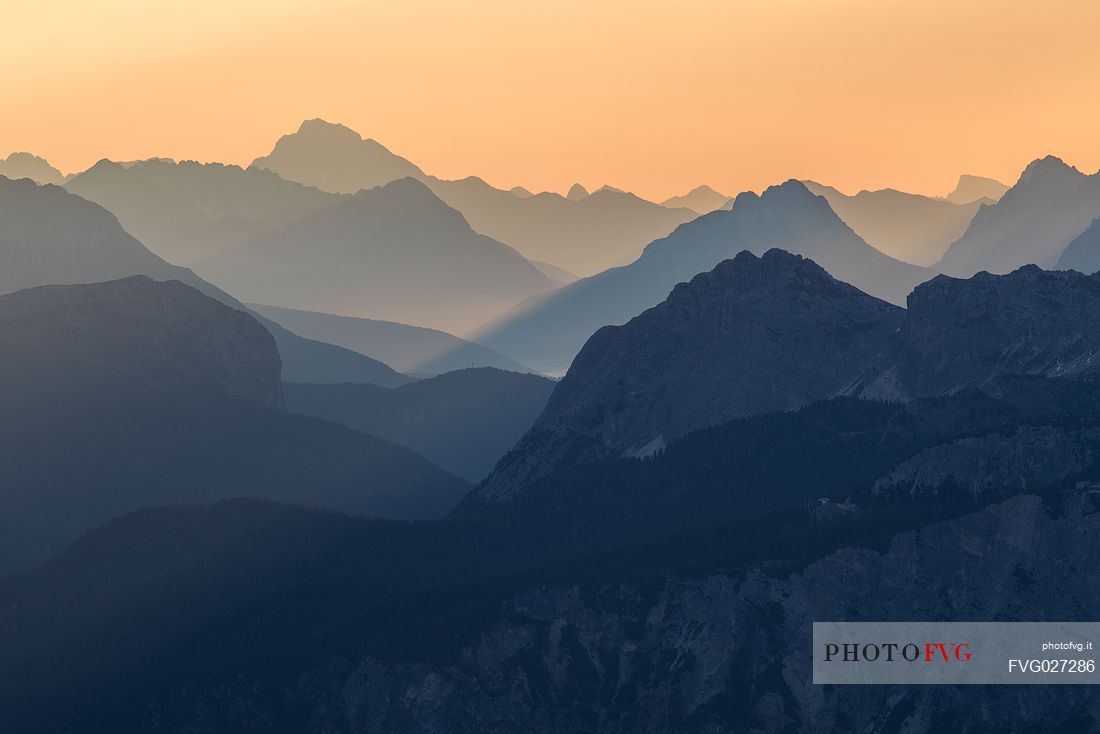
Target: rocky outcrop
[
  {"x": 751, "y": 336},
  {"x": 774, "y": 333},
  {"x": 961, "y": 333},
  {"x": 1025, "y": 459}
]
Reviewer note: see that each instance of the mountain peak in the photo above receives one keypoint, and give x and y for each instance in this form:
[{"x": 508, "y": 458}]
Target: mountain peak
[
  {"x": 334, "y": 158},
  {"x": 27, "y": 165},
  {"x": 1048, "y": 167},
  {"x": 322, "y": 129},
  {"x": 752, "y": 335},
  {"x": 577, "y": 192},
  {"x": 972, "y": 188}
]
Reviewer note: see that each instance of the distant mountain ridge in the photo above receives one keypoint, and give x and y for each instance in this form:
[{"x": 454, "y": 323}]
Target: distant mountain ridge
[
  {"x": 1035, "y": 220},
  {"x": 51, "y": 236},
  {"x": 778, "y": 332},
  {"x": 1083, "y": 253},
  {"x": 547, "y": 331},
  {"x": 26, "y": 165},
  {"x": 976, "y": 188},
  {"x": 582, "y": 234},
  {"x": 188, "y": 212},
  {"x": 463, "y": 421},
  {"x": 335, "y": 158},
  {"x": 133, "y": 392},
  {"x": 701, "y": 200},
  {"x": 412, "y": 350},
  {"x": 909, "y": 227},
  {"x": 394, "y": 253}
]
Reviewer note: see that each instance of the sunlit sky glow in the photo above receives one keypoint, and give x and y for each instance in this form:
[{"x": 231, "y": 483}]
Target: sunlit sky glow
[{"x": 655, "y": 97}]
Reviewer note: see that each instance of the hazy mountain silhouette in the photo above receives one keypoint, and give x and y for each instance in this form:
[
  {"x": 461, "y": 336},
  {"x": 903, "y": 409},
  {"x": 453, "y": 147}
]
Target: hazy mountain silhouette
[
  {"x": 500, "y": 620},
  {"x": 557, "y": 276},
  {"x": 187, "y": 212},
  {"x": 1083, "y": 253},
  {"x": 26, "y": 165},
  {"x": 909, "y": 227},
  {"x": 335, "y": 158},
  {"x": 50, "y": 236},
  {"x": 134, "y": 392},
  {"x": 463, "y": 421},
  {"x": 1033, "y": 222},
  {"x": 976, "y": 188},
  {"x": 395, "y": 253},
  {"x": 412, "y": 350},
  {"x": 701, "y": 200},
  {"x": 773, "y": 334},
  {"x": 547, "y": 331},
  {"x": 751, "y": 336},
  {"x": 601, "y": 230},
  {"x": 577, "y": 192},
  {"x": 520, "y": 192}
]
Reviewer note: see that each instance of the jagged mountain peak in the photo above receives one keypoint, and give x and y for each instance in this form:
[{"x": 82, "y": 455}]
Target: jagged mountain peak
[
  {"x": 27, "y": 165},
  {"x": 1048, "y": 167},
  {"x": 752, "y": 335},
  {"x": 322, "y": 129}
]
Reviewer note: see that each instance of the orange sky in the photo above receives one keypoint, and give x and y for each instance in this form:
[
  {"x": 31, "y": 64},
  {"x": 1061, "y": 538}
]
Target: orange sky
[{"x": 655, "y": 97}]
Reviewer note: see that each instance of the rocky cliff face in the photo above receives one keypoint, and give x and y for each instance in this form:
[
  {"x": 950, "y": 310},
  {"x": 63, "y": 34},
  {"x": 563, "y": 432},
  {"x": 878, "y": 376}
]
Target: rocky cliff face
[
  {"x": 775, "y": 333},
  {"x": 751, "y": 336},
  {"x": 969, "y": 332},
  {"x": 162, "y": 334},
  {"x": 724, "y": 653}
]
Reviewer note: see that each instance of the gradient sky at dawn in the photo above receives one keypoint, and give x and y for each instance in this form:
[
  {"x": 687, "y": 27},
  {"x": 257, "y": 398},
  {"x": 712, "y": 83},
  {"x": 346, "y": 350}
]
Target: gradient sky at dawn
[{"x": 655, "y": 97}]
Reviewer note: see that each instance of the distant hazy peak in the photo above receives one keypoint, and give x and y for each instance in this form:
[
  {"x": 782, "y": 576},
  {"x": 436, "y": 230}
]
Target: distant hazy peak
[
  {"x": 701, "y": 200},
  {"x": 521, "y": 192},
  {"x": 27, "y": 165},
  {"x": 1048, "y": 168},
  {"x": 577, "y": 192},
  {"x": 332, "y": 131},
  {"x": 612, "y": 189},
  {"x": 334, "y": 158},
  {"x": 975, "y": 188}
]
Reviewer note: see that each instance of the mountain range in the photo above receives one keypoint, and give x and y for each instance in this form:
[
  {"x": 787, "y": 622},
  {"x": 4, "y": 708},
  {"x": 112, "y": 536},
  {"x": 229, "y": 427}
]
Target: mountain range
[
  {"x": 910, "y": 227},
  {"x": 463, "y": 421},
  {"x": 583, "y": 234},
  {"x": 411, "y": 350},
  {"x": 671, "y": 594},
  {"x": 26, "y": 165},
  {"x": 394, "y": 253},
  {"x": 187, "y": 212},
  {"x": 1083, "y": 253},
  {"x": 1032, "y": 223},
  {"x": 976, "y": 188},
  {"x": 709, "y": 353},
  {"x": 546, "y": 332},
  {"x": 778, "y": 332},
  {"x": 50, "y": 236},
  {"x": 133, "y": 392},
  {"x": 701, "y": 200}
]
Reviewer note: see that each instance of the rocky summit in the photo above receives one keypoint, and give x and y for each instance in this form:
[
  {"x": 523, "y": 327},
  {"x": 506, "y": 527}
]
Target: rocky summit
[{"x": 753, "y": 335}]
